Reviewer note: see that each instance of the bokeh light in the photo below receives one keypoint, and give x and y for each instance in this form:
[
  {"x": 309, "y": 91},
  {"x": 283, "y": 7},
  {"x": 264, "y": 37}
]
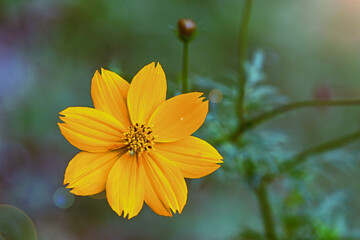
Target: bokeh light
[
  {"x": 15, "y": 224},
  {"x": 215, "y": 96},
  {"x": 63, "y": 198}
]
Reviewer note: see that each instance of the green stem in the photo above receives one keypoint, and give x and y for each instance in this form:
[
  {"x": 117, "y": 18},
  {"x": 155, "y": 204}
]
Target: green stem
[
  {"x": 301, "y": 157},
  {"x": 185, "y": 69},
  {"x": 266, "y": 211},
  {"x": 332, "y": 144},
  {"x": 243, "y": 45},
  {"x": 287, "y": 108}
]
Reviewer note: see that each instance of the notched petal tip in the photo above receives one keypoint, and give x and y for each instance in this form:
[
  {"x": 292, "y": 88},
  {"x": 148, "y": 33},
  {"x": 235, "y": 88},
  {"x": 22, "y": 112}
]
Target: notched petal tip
[
  {"x": 158, "y": 67},
  {"x": 97, "y": 75},
  {"x": 131, "y": 216},
  {"x": 62, "y": 118},
  {"x": 200, "y": 97},
  {"x": 76, "y": 192},
  {"x": 63, "y": 112},
  {"x": 203, "y": 100},
  {"x": 66, "y": 181},
  {"x": 193, "y": 156},
  {"x": 179, "y": 117},
  {"x": 70, "y": 110},
  {"x": 124, "y": 214},
  {"x": 105, "y": 72}
]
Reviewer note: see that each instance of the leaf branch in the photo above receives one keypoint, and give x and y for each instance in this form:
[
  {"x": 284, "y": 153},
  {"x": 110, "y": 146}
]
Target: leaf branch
[
  {"x": 321, "y": 148},
  {"x": 287, "y": 108},
  {"x": 243, "y": 45}
]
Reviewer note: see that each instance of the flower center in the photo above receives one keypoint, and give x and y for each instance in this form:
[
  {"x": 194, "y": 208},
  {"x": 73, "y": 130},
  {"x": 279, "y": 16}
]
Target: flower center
[{"x": 139, "y": 138}]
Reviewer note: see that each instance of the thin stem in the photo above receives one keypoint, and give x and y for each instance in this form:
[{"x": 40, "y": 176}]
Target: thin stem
[
  {"x": 287, "y": 108},
  {"x": 301, "y": 157},
  {"x": 266, "y": 211},
  {"x": 332, "y": 144},
  {"x": 243, "y": 45},
  {"x": 185, "y": 69}
]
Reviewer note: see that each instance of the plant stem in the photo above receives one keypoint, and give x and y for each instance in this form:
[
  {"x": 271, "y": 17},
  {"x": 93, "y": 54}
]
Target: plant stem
[
  {"x": 287, "y": 108},
  {"x": 185, "y": 69},
  {"x": 243, "y": 45},
  {"x": 266, "y": 212},
  {"x": 301, "y": 157},
  {"x": 332, "y": 144}
]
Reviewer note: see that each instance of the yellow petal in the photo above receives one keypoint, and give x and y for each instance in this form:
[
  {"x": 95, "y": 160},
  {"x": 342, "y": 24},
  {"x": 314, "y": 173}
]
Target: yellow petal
[
  {"x": 121, "y": 84},
  {"x": 166, "y": 189},
  {"x": 107, "y": 92},
  {"x": 153, "y": 201},
  {"x": 146, "y": 92},
  {"x": 194, "y": 157},
  {"x": 179, "y": 117},
  {"x": 87, "y": 172},
  {"x": 91, "y": 130},
  {"x": 126, "y": 186}
]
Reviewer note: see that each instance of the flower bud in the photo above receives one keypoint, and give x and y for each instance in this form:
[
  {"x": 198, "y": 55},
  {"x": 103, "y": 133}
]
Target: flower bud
[{"x": 186, "y": 28}]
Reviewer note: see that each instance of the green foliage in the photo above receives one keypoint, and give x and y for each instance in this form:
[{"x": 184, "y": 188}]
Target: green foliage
[{"x": 303, "y": 212}]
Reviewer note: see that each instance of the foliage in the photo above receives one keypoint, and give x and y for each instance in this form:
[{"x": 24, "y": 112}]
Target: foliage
[{"x": 303, "y": 210}]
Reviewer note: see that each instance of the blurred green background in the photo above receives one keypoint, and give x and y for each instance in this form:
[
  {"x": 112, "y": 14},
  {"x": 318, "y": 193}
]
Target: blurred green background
[{"x": 50, "y": 49}]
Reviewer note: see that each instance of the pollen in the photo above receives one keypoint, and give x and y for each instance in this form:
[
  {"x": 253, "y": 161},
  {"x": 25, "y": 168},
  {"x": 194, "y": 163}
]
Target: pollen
[{"x": 139, "y": 138}]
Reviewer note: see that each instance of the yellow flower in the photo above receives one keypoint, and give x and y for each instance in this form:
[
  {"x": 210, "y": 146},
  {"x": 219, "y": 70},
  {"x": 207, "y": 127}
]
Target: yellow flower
[{"x": 136, "y": 145}]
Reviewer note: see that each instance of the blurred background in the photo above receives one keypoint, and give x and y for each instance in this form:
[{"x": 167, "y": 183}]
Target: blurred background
[{"x": 50, "y": 49}]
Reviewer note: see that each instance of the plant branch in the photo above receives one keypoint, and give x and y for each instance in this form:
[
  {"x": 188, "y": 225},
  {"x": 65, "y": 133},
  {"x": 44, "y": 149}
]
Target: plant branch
[
  {"x": 287, "y": 108},
  {"x": 332, "y": 144},
  {"x": 301, "y": 157},
  {"x": 243, "y": 45},
  {"x": 185, "y": 69},
  {"x": 266, "y": 211}
]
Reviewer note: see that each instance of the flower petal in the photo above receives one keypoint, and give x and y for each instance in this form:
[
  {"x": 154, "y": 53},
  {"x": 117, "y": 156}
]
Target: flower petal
[
  {"x": 155, "y": 203},
  {"x": 91, "y": 130},
  {"x": 166, "y": 189},
  {"x": 194, "y": 157},
  {"x": 121, "y": 84},
  {"x": 109, "y": 93},
  {"x": 87, "y": 172},
  {"x": 146, "y": 92},
  {"x": 126, "y": 186},
  {"x": 179, "y": 117}
]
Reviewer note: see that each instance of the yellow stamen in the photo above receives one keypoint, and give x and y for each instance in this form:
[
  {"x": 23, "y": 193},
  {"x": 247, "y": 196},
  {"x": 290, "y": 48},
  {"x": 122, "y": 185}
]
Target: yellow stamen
[{"x": 139, "y": 138}]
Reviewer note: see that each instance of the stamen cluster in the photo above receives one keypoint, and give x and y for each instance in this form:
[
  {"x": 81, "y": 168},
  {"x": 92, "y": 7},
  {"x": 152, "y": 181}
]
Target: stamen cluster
[{"x": 139, "y": 138}]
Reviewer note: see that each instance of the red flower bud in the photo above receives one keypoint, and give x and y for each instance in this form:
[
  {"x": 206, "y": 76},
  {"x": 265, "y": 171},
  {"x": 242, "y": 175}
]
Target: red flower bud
[{"x": 187, "y": 28}]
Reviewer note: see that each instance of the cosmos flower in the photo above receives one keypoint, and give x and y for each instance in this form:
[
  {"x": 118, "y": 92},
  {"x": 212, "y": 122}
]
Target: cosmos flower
[{"x": 137, "y": 145}]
